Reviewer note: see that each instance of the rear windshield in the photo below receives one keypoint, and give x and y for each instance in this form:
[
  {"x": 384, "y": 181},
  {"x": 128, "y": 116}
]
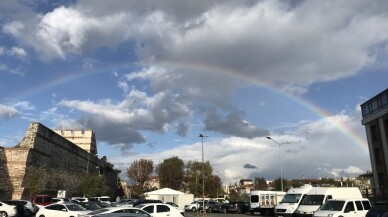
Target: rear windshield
[{"x": 254, "y": 199}]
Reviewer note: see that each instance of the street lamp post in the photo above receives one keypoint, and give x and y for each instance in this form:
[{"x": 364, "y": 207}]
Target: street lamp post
[
  {"x": 280, "y": 160},
  {"x": 203, "y": 175}
]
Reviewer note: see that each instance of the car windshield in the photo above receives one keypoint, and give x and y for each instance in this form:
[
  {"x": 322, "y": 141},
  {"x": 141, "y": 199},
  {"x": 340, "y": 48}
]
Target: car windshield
[
  {"x": 75, "y": 207},
  {"x": 105, "y": 199},
  {"x": 333, "y": 205},
  {"x": 313, "y": 199},
  {"x": 291, "y": 198}
]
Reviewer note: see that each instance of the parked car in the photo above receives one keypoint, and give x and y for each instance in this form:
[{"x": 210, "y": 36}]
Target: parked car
[
  {"x": 108, "y": 210},
  {"x": 79, "y": 199},
  {"x": 24, "y": 207},
  {"x": 7, "y": 210},
  {"x": 41, "y": 200},
  {"x": 103, "y": 204},
  {"x": 378, "y": 209},
  {"x": 125, "y": 214},
  {"x": 193, "y": 206},
  {"x": 19, "y": 206},
  {"x": 172, "y": 204},
  {"x": 237, "y": 207},
  {"x": 89, "y": 205},
  {"x": 105, "y": 199},
  {"x": 343, "y": 207},
  {"x": 59, "y": 200},
  {"x": 212, "y": 206},
  {"x": 160, "y": 210},
  {"x": 124, "y": 202},
  {"x": 61, "y": 210},
  {"x": 138, "y": 202}
]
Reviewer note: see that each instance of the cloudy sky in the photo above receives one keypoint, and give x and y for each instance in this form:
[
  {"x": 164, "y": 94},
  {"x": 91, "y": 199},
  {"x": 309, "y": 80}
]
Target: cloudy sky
[{"x": 149, "y": 76}]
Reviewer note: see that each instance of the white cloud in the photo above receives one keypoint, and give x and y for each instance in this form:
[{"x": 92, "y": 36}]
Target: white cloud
[
  {"x": 8, "y": 112},
  {"x": 292, "y": 46},
  {"x": 309, "y": 154},
  {"x": 18, "y": 51}
]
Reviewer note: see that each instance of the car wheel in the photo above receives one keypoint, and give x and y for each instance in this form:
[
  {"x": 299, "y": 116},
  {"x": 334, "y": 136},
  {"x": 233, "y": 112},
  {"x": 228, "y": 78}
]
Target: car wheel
[
  {"x": 193, "y": 209},
  {"x": 41, "y": 216},
  {"x": 27, "y": 212},
  {"x": 3, "y": 214},
  {"x": 210, "y": 209}
]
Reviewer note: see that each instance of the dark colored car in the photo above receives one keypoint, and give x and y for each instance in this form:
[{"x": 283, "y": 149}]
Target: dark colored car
[
  {"x": 237, "y": 207},
  {"x": 378, "y": 209},
  {"x": 212, "y": 206}
]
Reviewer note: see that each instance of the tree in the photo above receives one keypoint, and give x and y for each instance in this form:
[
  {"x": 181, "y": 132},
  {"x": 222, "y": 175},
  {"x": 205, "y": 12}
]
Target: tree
[
  {"x": 35, "y": 179},
  {"x": 193, "y": 178},
  {"x": 278, "y": 184},
  {"x": 140, "y": 171},
  {"x": 260, "y": 184},
  {"x": 213, "y": 186},
  {"x": 171, "y": 172},
  {"x": 93, "y": 185},
  {"x": 63, "y": 180}
]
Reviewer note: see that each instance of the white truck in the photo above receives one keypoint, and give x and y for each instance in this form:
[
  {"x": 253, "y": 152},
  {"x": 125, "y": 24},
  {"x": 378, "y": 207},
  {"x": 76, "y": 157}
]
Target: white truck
[
  {"x": 265, "y": 201},
  {"x": 318, "y": 195},
  {"x": 291, "y": 201}
]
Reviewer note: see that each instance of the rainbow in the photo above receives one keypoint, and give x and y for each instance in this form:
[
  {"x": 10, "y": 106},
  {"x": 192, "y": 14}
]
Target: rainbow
[{"x": 68, "y": 77}]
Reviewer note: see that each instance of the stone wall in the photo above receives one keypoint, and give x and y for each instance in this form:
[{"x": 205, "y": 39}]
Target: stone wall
[
  {"x": 5, "y": 181},
  {"x": 42, "y": 146}
]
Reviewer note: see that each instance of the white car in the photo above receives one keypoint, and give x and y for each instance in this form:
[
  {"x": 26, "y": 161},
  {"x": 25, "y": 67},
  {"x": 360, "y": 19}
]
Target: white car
[
  {"x": 115, "y": 209},
  {"x": 160, "y": 210},
  {"x": 61, "y": 210},
  {"x": 7, "y": 210},
  {"x": 193, "y": 207}
]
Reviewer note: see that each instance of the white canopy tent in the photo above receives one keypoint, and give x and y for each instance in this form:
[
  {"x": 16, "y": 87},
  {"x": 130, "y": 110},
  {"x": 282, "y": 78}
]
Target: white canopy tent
[{"x": 170, "y": 195}]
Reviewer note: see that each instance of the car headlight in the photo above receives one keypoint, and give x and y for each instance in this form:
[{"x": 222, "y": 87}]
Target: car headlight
[{"x": 291, "y": 209}]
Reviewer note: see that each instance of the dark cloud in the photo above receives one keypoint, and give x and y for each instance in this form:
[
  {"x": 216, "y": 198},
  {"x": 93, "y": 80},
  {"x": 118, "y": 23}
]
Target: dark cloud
[
  {"x": 250, "y": 166},
  {"x": 232, "y": 124}
]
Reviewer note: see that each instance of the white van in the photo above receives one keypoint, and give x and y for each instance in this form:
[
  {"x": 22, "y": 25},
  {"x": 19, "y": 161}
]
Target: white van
[
  {"x": 344, "y": 207},
  {"x": 318, "y": 195},
  {"x": 291, "y": 201},
  {"x": 265, "y": 201}
]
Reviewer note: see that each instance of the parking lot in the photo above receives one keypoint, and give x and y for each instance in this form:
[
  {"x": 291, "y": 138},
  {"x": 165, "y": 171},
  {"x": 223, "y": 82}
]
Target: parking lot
[{"x": 194, "y": 214}]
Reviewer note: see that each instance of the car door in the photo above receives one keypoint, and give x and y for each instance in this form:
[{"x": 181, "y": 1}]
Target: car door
[
  {"x": 62, "y": 211},
  {"x": 53, "y": 210},
  {"x": 163, "y": 210},
  {"x": 350, "y": 210}
]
